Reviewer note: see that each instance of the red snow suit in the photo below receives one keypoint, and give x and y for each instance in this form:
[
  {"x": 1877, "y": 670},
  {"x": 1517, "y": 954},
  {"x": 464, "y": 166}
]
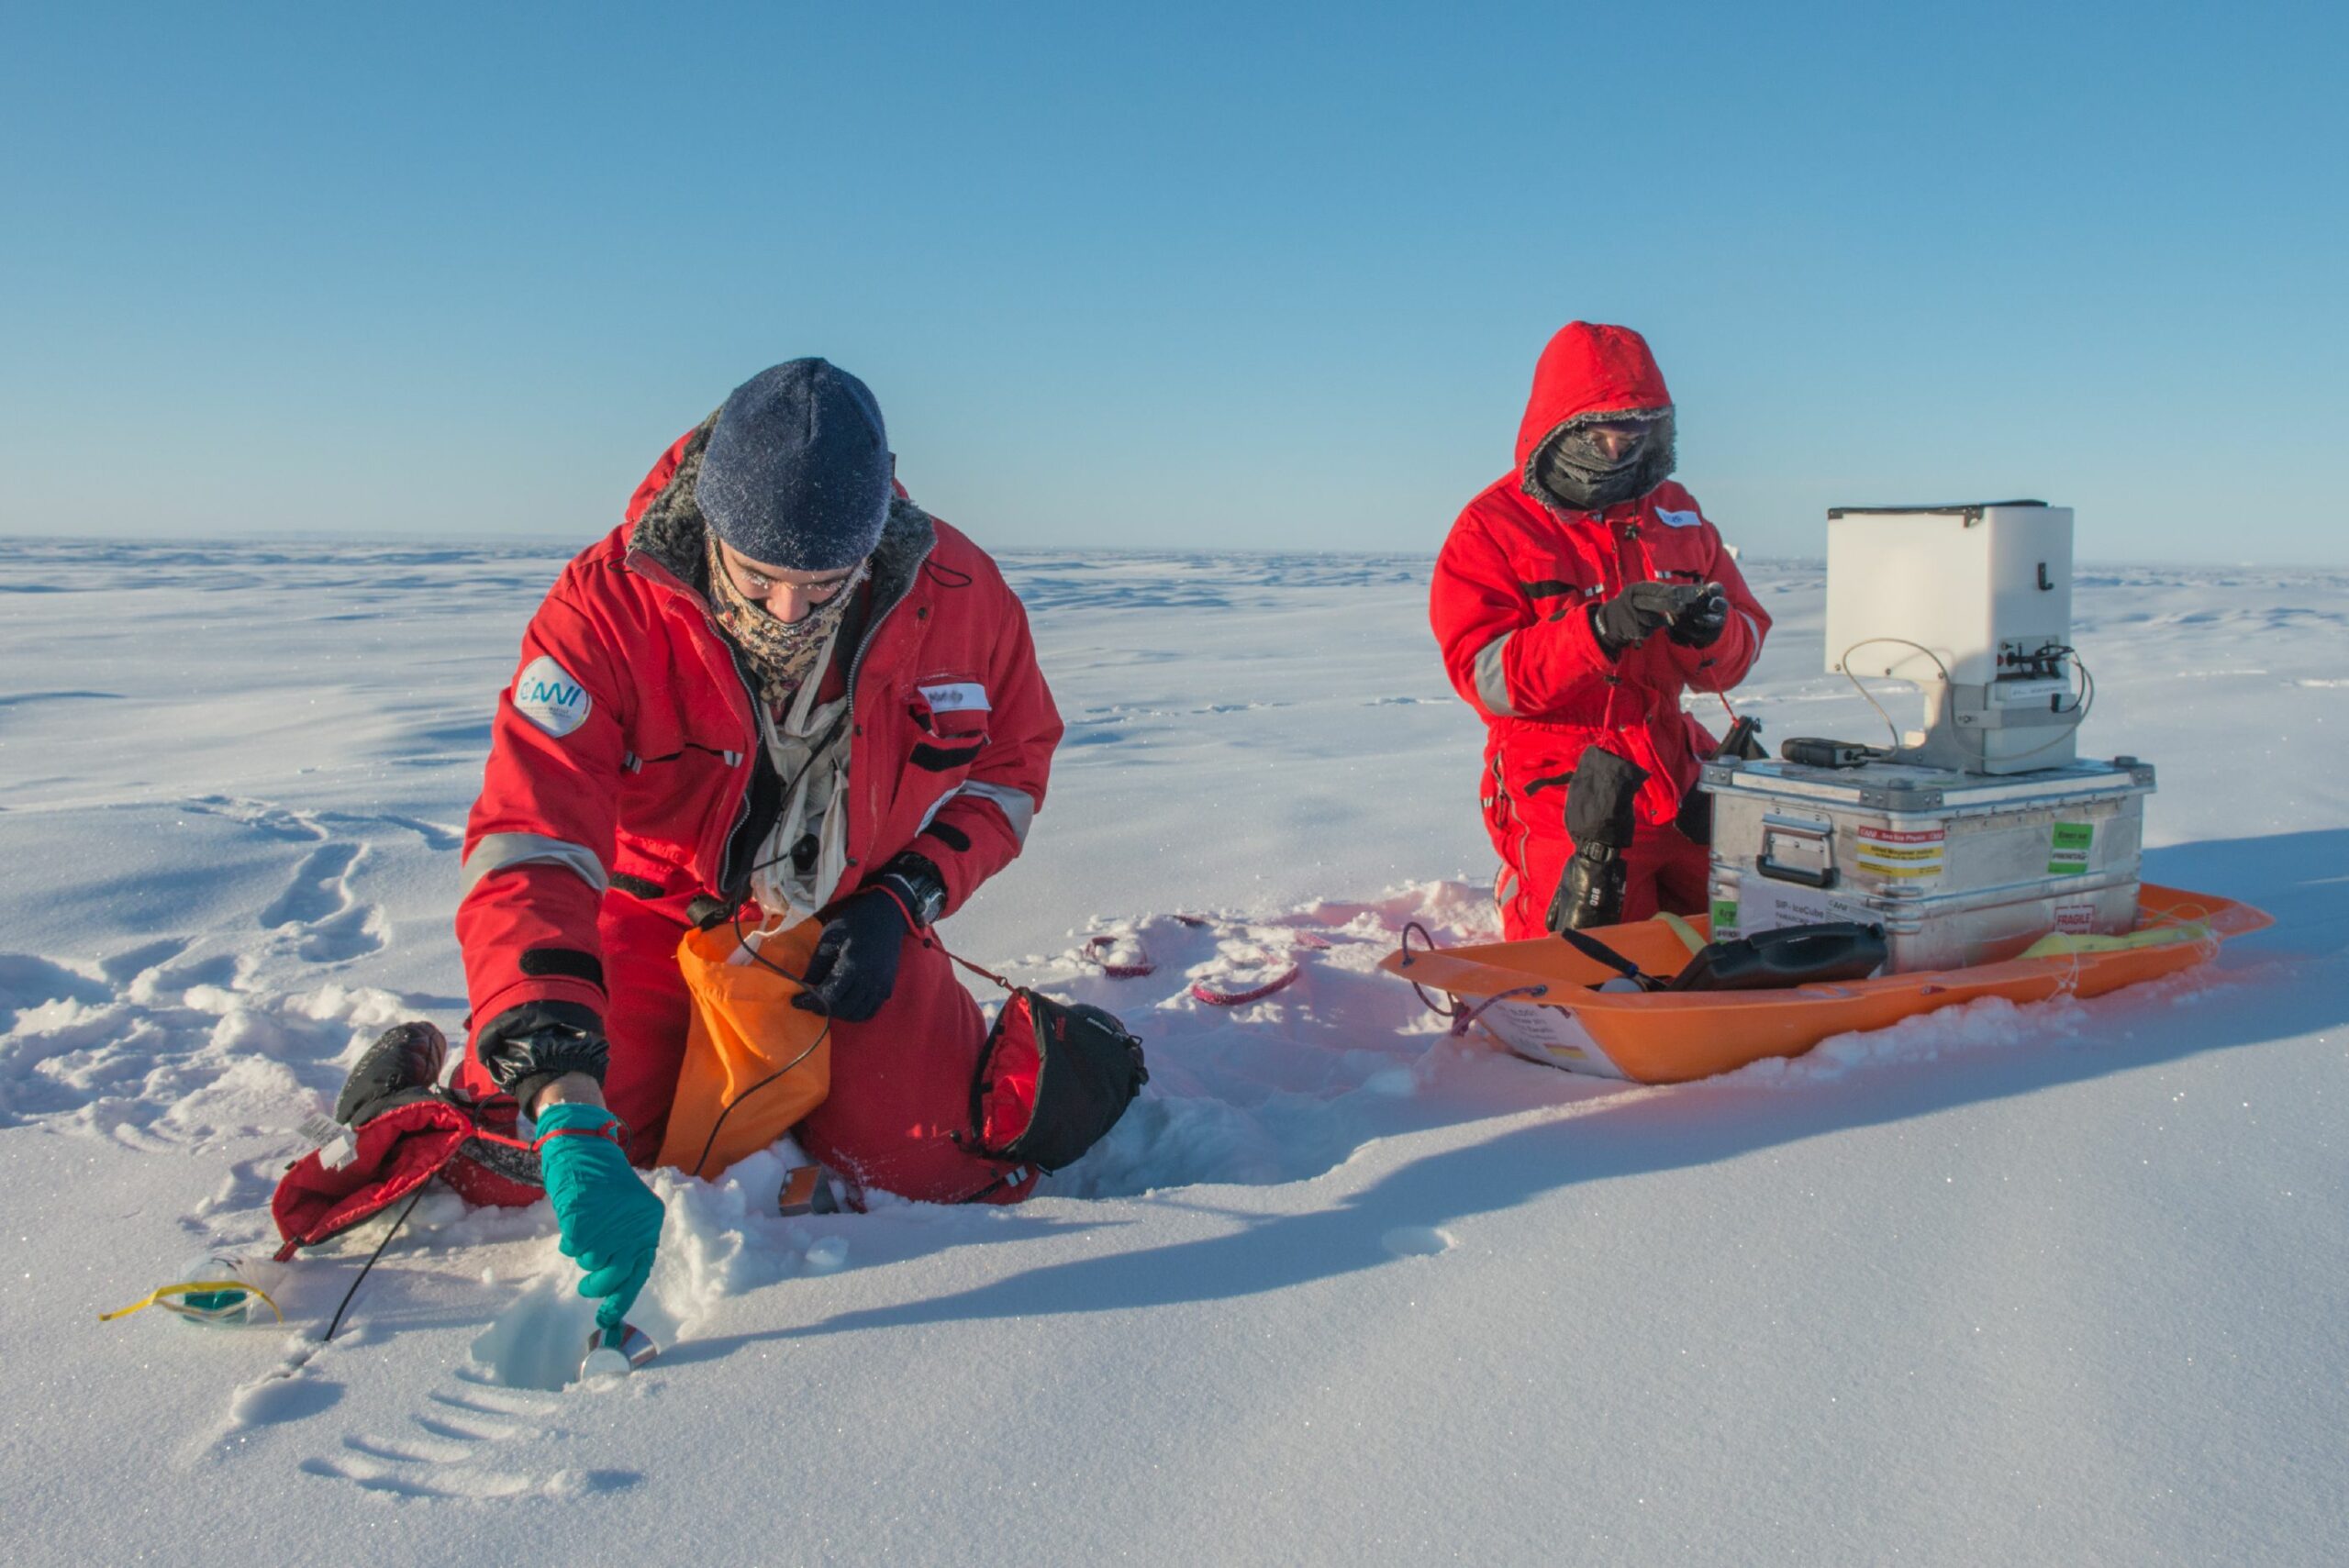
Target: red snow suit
[
  {"x": 1512, "y": 588},
  {"x": 620, "y": 787}
]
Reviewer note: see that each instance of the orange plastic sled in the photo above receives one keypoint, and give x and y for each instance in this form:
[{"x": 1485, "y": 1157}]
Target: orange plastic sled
[
  {"x": 1539, "y": 999},
  {"x": 754, "y": 1065}
]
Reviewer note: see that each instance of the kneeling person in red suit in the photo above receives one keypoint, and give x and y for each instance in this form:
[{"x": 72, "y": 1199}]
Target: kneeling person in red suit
[
  {"x": 1576, "y": 600},
  {"x": 778, "y": 685}
]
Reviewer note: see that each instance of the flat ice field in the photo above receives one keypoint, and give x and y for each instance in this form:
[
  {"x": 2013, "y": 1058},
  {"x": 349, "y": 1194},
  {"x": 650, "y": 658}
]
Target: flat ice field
[{"x": 2066, "y": 1283}]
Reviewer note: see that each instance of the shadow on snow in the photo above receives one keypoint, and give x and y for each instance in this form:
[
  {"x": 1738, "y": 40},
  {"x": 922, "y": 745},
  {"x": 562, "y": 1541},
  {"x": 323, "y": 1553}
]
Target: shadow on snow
[{"x": 1632, "y": 1131}]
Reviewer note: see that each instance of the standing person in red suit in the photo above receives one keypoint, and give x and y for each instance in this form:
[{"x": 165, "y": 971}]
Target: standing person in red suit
[{"x": 1576, "y": 599}]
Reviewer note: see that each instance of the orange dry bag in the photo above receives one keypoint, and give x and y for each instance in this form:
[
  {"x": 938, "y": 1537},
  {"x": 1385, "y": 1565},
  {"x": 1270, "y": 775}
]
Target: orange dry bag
[{"x": 754, "y": 1064}]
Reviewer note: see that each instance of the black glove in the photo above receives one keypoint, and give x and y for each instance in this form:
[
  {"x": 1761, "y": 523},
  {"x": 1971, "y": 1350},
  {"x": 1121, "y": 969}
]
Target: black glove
[
  {"x": 854, "y": 966},
  {"x": 1636, "y": 614},
  {"x": 1590, "y": 889},
  {"x": 1700, "y": 626},
  {"x": 525, "y": 1049}
]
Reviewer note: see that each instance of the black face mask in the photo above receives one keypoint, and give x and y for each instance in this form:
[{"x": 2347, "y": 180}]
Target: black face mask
[{"x": 1571, "y": 471}]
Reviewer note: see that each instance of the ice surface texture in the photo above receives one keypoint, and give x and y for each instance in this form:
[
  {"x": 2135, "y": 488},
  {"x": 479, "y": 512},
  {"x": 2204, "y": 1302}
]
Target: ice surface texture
[{"x": 2058, "y": 1285}]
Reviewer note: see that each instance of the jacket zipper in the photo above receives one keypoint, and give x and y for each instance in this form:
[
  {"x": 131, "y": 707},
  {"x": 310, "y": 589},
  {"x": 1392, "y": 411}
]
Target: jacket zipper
[{"x": 1633, "y": 563}]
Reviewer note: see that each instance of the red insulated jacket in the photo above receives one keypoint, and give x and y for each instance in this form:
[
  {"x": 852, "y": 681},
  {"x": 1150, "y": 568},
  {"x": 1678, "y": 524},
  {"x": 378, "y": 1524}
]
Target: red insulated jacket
[
  {"x": 626, "y": 753},
  {"x": 1512, "y": 587}
]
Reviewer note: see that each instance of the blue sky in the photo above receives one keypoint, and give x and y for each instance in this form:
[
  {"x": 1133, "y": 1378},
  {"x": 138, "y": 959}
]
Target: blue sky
[{"x": 1253, "y": 275}]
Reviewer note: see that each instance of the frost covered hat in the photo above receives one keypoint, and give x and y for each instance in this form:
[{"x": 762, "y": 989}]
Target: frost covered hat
[{"x": 796, "y": 473}]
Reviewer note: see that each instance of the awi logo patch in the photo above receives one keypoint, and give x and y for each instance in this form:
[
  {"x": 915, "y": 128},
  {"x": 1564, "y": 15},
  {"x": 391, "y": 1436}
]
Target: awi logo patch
[{"x": 545, "y": 693}]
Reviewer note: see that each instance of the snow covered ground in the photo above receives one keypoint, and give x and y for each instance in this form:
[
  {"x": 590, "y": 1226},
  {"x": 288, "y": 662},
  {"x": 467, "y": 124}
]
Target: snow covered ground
[{"x": 2058, "y": 1285}]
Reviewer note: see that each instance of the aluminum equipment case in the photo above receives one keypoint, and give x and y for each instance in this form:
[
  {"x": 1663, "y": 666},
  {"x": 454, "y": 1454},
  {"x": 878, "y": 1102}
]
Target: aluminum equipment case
[{"x": 1960, "y": 869}]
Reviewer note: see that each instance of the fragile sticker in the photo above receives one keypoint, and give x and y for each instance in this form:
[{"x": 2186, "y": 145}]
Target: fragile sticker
[
  {"x": 2068, "y": 847},
  {"x": 1910, "y": 855},
  {"x": 2075, "y": 919}
]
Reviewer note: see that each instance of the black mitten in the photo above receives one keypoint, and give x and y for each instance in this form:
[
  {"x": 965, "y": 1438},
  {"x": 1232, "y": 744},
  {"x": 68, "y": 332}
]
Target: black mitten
[
  {"x": 404, "y": 1057},
  {"x": 1600, "y": 818},
  {"x": 1590, "y": 892}
]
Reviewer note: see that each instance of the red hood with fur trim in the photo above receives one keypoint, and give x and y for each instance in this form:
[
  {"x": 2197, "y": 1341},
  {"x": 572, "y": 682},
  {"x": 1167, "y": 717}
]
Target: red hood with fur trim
[{"x": 1587, "y": 369}]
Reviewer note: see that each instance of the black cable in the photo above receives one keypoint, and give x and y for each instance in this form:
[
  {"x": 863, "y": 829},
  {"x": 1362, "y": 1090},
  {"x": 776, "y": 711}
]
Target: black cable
[
  {"x": 368, "y": 1264},
  {"x": 816, "y": 753},
  {"x": 1430, "y": 1004},
  {"x": 742, "y": 940},
  {"x": 821, "y": 1035},
  {"x": 711, "y": 1142},
  {"x": 1591, "y": 948}
]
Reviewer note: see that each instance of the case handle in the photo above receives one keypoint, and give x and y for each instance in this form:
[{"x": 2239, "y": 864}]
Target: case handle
[{"x": 1809, "y": 848}]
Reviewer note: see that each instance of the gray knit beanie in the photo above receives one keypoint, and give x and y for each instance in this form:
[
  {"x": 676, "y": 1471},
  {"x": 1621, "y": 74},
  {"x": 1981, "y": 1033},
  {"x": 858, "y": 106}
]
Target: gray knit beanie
[{"x": 796, "y": 473}]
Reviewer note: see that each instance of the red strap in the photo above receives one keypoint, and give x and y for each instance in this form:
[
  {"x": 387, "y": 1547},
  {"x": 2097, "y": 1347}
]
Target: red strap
[
  {"x": 931, "y": 938},
  {"x": 612, "y": 1130},
  {"x": 889, "y": 893},
  {"x": 1301, "y": 941},
  {"x": 1280, "y": 982}
]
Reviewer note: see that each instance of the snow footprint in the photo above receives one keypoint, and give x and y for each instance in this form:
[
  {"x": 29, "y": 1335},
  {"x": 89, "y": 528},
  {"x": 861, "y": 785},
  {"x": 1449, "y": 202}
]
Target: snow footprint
[
  {"x": 331, "y": 924},
  {"x": 1416, "y": 1241},
  {"x": 453, "y": 1450},
  {"x": 160, "y": 1045}
]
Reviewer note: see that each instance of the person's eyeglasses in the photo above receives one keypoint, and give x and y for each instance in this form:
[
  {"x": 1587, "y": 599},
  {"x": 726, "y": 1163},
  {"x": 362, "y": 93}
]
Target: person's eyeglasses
[
  {"x": 758, "y": 586},
  {"x": 1613, "y": 440}
]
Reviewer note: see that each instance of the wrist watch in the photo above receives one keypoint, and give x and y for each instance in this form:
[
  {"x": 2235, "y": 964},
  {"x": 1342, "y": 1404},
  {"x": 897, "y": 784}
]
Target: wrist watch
[{"x": 917, "y": 883}]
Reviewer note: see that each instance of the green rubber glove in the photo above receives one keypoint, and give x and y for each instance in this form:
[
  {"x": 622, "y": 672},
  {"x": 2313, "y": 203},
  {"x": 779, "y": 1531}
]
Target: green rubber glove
[{"x": 610, "y": 1220}]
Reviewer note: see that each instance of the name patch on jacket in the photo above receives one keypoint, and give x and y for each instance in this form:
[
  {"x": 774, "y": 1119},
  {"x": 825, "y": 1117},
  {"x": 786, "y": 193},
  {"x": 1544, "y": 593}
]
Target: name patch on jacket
[
  {"x": 1670, "y": 519},
  {"x": 957, "y": 696},
  {"x": 545, "y": 693}
]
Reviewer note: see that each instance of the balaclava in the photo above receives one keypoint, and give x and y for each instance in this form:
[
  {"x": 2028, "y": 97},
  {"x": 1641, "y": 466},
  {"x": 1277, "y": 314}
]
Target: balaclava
[
  {"x": 782, "y": 654},
  {"x": 1572, "y": 473}
]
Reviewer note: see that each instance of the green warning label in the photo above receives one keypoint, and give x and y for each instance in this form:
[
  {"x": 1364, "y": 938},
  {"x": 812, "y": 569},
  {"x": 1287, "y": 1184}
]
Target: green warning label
[
  {"x": 2068, "y": 847},
  {"x": 1724, "y": 919}
]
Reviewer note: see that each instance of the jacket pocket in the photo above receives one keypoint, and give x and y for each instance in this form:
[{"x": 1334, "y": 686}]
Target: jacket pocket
[{"x": 951, "y": 715}]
